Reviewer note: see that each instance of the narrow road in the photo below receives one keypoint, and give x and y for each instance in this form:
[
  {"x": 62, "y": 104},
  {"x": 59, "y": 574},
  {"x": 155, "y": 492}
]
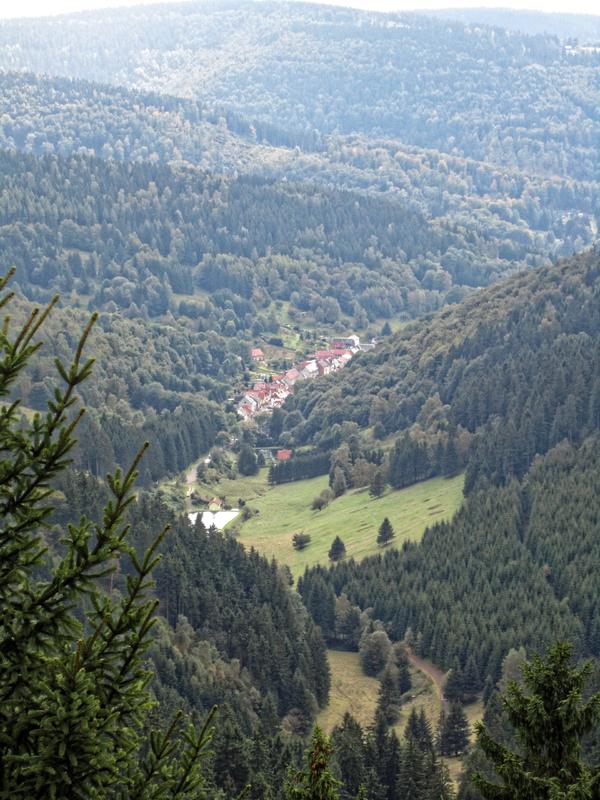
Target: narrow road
[{"x": 433, "y": 672}]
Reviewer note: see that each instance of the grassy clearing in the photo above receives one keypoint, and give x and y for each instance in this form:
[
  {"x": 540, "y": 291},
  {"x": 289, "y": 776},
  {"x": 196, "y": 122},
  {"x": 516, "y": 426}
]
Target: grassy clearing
[
  {"x": 248, "y": 488},
  {"x": 357, "y": 693},
  {"x": 356, "y": 517},
  {"x": 351, "y": 691}
]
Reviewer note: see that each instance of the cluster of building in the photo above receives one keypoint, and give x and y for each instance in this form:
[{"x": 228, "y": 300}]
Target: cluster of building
[{"x": 271, "y": 392}]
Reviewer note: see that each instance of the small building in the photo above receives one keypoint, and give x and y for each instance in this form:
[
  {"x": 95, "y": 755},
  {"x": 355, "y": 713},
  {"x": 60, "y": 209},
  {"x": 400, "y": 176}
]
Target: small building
[
  {"x": 256, "y": 354},
  {"x": 352, "y": 342},
  {"x": 291, "y": 376},
  {"x": 245, "y": 411},
  {"x": 284, "y": 455},
  {"x": 309, "y": 369},
  {"x": 215, "y": 504}
]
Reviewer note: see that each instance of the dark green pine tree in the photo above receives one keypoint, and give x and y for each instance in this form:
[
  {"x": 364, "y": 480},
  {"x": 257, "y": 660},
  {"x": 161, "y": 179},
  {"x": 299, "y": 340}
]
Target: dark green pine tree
[
  {"x": 454, "y": 733},
  {"x": 347, "y": 740},
  {"x": 74, "y": 686},
  {"x": 424, "y": 731},
  {"x": 455, "y": 683},
  {"x": 320, "y": 602},
  {"x": 439, "y": 782},
  {"x": 316, "y": 781},
  {"x": 412, "y": 725},
  {"x": 393, "y": 765},
  {"x": 404, "y": 679},
  {"x": 390, "y": 696},
  {"x": 550, "y": 719},
  {"x": 451, "y": 461},
  {"x": 377, "y": 486},
  {"x": 231, "y": 760},
  {"x": 337, "y": 549},
  {"x": 386, "y": 533},
  {"x": 412, "y": 780},
  {"x": 470, "y": 680},
  {"x": 377, "y": 753}
]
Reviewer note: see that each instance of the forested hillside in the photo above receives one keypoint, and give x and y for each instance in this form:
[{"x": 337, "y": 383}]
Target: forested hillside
[
  {"x": 231, "y": 633},
  {"x": 506, "y": 385},
  {"x": 518, "y": 567},
  {"x": 498, "y": 216},
  {"x": 506, "y": 166},
  {"x": 577, "y": 28},
  {"x": 488, "y": 94},
  {"x": 507, "y": 374},
  {"x": 189, "y": 270},
  {"x": 134, "y": 235}
]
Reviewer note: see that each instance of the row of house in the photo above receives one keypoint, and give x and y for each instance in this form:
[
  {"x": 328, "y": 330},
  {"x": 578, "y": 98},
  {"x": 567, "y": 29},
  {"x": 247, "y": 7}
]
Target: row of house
[{"x": 271, "y": 393}]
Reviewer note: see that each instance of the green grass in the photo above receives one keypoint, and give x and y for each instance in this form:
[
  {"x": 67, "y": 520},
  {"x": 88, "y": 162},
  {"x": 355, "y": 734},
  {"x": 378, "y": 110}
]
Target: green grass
[
  {"x": 356, "y": 693},
  {"x": 351, "y": 691},
  {"x": 247, "y": 488},
  {"x": 356, "y": 517}
]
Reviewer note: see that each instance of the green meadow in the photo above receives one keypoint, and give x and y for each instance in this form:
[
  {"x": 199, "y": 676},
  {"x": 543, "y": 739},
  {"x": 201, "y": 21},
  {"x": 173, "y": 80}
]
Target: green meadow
[{"x": 355, "y": 517}]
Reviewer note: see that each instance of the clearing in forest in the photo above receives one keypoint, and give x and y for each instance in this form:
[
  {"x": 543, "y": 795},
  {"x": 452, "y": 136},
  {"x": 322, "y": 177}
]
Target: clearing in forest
[
  {"x": 355, "y": 516},
  {"x": 354, "y": 692}
]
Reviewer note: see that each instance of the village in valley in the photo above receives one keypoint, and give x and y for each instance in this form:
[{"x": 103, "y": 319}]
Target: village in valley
[{"x": 271, "y": 391}]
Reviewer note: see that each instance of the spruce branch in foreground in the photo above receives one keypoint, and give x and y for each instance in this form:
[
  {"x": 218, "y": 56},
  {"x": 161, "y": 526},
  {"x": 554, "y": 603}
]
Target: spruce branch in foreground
[
  {"x": 550, "y": 719},
  {"x": 74, "y": 685}
]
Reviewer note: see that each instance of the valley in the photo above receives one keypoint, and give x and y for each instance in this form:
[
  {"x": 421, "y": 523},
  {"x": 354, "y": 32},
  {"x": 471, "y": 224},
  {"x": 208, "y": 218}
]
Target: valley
[
  {"x": 318, "y": 289},
  {"x": 272, "y": 514}
]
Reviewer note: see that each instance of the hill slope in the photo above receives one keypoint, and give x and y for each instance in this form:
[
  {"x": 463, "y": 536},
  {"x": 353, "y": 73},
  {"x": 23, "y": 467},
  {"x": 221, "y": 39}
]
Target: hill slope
[
  {"x": 484, "y": 93},
  {"x": 516, "y": 364}
]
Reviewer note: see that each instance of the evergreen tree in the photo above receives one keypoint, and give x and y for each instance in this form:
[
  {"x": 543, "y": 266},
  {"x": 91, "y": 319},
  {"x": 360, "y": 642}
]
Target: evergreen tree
[
  {"x": 347, "y": 740},
  {"x": 377, "y": 486},
  {"x": 404, "y": 679},
  {"x": 455, "y": 683},
  {"x": 439, "y": 782},
  {"x": 75, "y": 702},
  {"x": 550, "y": 720},
  {"x": 454, "y": 732},
  {"x": 412, "y": 780},
  {"x": 389, "y": 697},
  {"x": 247, "y": 462},
  {"x": 337, "y": 549},
  {"x": 386, "y": 533},
  {"x": 425, "y": 734},
  {"x": 451, "y": 461},
  {"x": 471, "y": 680},
  {"x": 316, "y": 782},
  {"x": 419, "y": 728}
]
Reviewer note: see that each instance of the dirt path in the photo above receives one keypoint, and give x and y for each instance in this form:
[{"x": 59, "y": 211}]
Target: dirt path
[
  {"x": 433, "y": 672},
  {"x": 190, "y": 480}
]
